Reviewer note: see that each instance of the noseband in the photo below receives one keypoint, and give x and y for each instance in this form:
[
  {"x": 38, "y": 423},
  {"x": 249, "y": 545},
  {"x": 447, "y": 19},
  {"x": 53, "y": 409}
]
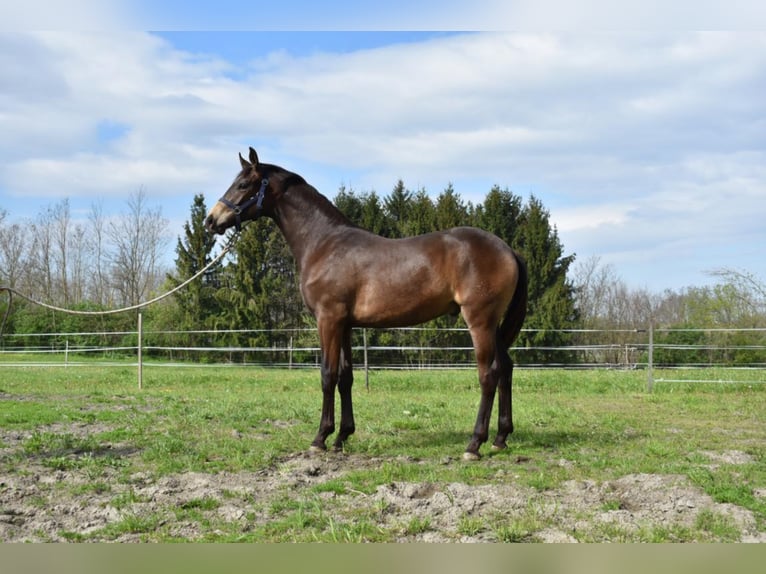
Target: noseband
[{"x": 256, "y": 200}]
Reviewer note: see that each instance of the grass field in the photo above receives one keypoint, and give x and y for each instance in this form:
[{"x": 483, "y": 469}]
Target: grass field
[{"x": 218, "y": 454}]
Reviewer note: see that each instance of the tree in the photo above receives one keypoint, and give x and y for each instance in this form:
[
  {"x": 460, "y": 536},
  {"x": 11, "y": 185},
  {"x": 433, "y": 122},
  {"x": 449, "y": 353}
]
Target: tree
[
  {"x": 98, "y": 291},
  {"x": 397, "y": 206},
  {"x": 592, "y": 283},
  {"x": 501, "y": 214},
  {"x": 60, "y": 221},
  {"x": 551, "y": 296},
  {"x": 349, "y": 204},
  {"x": 138, "y": 237},
  {"x": 197, "y": 300},
  {"x": 260, "y": 289},
  {"x": 739, "y": 302},
  {"x": 373, "y": 216},
  {"x": 421, "y": 217},
  {"x": 748, "y": 289},
  {"x": 364, "y": 210},
  {"x": 450, "y": 209},
  {"x": 41, "y": 267},
  {"x": 78, "y": 264},
  {"x": 13, "y": 240}
]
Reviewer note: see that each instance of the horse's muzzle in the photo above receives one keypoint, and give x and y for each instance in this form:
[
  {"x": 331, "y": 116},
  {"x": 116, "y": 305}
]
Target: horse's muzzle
[{"x": 216, "y": 222}]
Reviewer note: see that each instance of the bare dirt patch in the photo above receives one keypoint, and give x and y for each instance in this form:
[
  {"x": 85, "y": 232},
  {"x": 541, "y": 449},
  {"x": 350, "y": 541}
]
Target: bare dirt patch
[
  {"x": 99, "y": 502},
  {"x": 578, "y": 510},
  {"x": 728, "y": 457}
]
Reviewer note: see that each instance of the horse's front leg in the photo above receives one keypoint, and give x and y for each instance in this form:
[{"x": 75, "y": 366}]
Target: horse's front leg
[
  {"x": 330, "y": 338},
  {"x": 345, "y": 382}
]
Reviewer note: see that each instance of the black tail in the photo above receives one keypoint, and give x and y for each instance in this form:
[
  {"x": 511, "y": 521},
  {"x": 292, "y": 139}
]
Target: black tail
[{"x": 517, "y": 309}]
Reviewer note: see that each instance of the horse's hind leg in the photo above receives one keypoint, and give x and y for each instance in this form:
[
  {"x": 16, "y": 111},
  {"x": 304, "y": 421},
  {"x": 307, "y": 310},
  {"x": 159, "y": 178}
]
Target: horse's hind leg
[
  {"x": 504, "y": 367},
  {"x": 484, "y": 345}
]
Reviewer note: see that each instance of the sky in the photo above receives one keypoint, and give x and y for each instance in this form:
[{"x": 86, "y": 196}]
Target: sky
[{"x": 643, "y": 136}]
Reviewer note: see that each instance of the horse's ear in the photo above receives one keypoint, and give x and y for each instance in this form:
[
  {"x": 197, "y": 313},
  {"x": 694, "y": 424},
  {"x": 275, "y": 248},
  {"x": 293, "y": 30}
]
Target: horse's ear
[
  {"x": 244, "y": 163},
  {"x": 253, "y": 158}
]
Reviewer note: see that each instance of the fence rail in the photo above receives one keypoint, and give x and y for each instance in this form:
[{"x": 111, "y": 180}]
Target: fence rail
[{"x": 670, "y": 349}]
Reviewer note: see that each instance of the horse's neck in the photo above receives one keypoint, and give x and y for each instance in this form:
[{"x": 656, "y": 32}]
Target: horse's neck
[{"x": 306, "y": 220}]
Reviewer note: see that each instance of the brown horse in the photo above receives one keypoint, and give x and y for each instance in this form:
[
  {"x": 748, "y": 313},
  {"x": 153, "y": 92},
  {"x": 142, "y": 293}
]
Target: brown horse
[{"x": 350, "y": 277}]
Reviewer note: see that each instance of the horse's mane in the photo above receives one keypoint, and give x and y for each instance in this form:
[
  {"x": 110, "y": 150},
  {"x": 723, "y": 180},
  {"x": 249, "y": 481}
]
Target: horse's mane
[{"x": 298, "y": 187}]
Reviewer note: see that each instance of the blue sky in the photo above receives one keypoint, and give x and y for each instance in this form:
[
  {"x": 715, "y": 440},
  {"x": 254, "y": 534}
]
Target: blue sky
[
  {"x": 647, "y": 143},
  {"x": 241, "y": 48}
]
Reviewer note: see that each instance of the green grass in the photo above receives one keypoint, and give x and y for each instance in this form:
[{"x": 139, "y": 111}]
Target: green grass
[{"x": 603, "y": 425}]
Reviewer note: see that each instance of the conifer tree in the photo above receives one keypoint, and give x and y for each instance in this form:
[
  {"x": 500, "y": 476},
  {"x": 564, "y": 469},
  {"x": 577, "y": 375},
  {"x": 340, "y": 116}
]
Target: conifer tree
[
  {"x": 350, "y": 204},
  {"x": 373, "y": 217},
  {"x": 193, "y": 252},
  {"x": 551, "y": 295},
  {"x": 263, "y": 294},
  {"x": 398, "y": 205},
  {"x": 451, "y": 211},
  {"x": 500, "y": 214},
  {"x": 421, "y": 218}
]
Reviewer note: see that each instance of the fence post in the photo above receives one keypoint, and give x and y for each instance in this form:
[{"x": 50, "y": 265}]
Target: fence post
[
  {"x": 366, "y": 364},
  {"x": 140, "y": 354},
  {"x": 650, "y": 361}
]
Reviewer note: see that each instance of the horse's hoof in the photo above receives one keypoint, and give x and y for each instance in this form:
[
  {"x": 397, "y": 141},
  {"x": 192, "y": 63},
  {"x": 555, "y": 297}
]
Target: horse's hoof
[
  {"x": 471, "y": 456},
  {"x": 313, "y": 449},
  {"x": 498, "y": 447}
]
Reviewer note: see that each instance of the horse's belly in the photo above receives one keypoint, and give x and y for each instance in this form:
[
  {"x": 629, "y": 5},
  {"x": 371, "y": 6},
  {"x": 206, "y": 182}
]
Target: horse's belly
[{"x": 395, "y": 308}]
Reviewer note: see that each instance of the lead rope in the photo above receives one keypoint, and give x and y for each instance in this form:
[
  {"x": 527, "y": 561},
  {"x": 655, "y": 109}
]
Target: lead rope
[{"x": 11, "y": 292}]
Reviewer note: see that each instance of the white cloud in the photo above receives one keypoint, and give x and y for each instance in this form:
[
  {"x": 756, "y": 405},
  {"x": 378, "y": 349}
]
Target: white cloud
[{"x": 634, "y": 141}]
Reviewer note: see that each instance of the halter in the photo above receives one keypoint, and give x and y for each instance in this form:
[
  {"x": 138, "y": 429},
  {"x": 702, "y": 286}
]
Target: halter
[{"x": 257, "y": 199}]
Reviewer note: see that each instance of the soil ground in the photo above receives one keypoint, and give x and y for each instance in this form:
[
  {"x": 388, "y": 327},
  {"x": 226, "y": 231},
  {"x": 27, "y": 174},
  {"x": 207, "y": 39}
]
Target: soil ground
[{"x": 38, "y": 503}]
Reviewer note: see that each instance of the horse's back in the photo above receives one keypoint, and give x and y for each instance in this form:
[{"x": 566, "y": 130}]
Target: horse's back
[{"x": 479, "y": 241}]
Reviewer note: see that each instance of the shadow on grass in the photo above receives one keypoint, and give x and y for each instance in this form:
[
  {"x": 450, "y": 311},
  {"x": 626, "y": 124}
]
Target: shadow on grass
[{"x": 522, "y": 441}]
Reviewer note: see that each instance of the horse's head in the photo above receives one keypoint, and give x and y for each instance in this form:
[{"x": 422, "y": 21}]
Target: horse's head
[{"x": 244, "y": 200}]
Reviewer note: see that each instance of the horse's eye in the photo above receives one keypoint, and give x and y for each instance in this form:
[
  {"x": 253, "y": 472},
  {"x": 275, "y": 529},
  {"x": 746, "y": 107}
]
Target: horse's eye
[{"x": 242, "y": 185}]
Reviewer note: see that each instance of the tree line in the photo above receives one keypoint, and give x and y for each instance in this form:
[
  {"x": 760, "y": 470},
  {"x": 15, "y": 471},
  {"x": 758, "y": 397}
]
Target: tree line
[
  {"x": 257, "y": 288},
  {"x": 100, "y": 263},
  {"x": 110, "y": 262},
  {"x": 703, "y": 325}
]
